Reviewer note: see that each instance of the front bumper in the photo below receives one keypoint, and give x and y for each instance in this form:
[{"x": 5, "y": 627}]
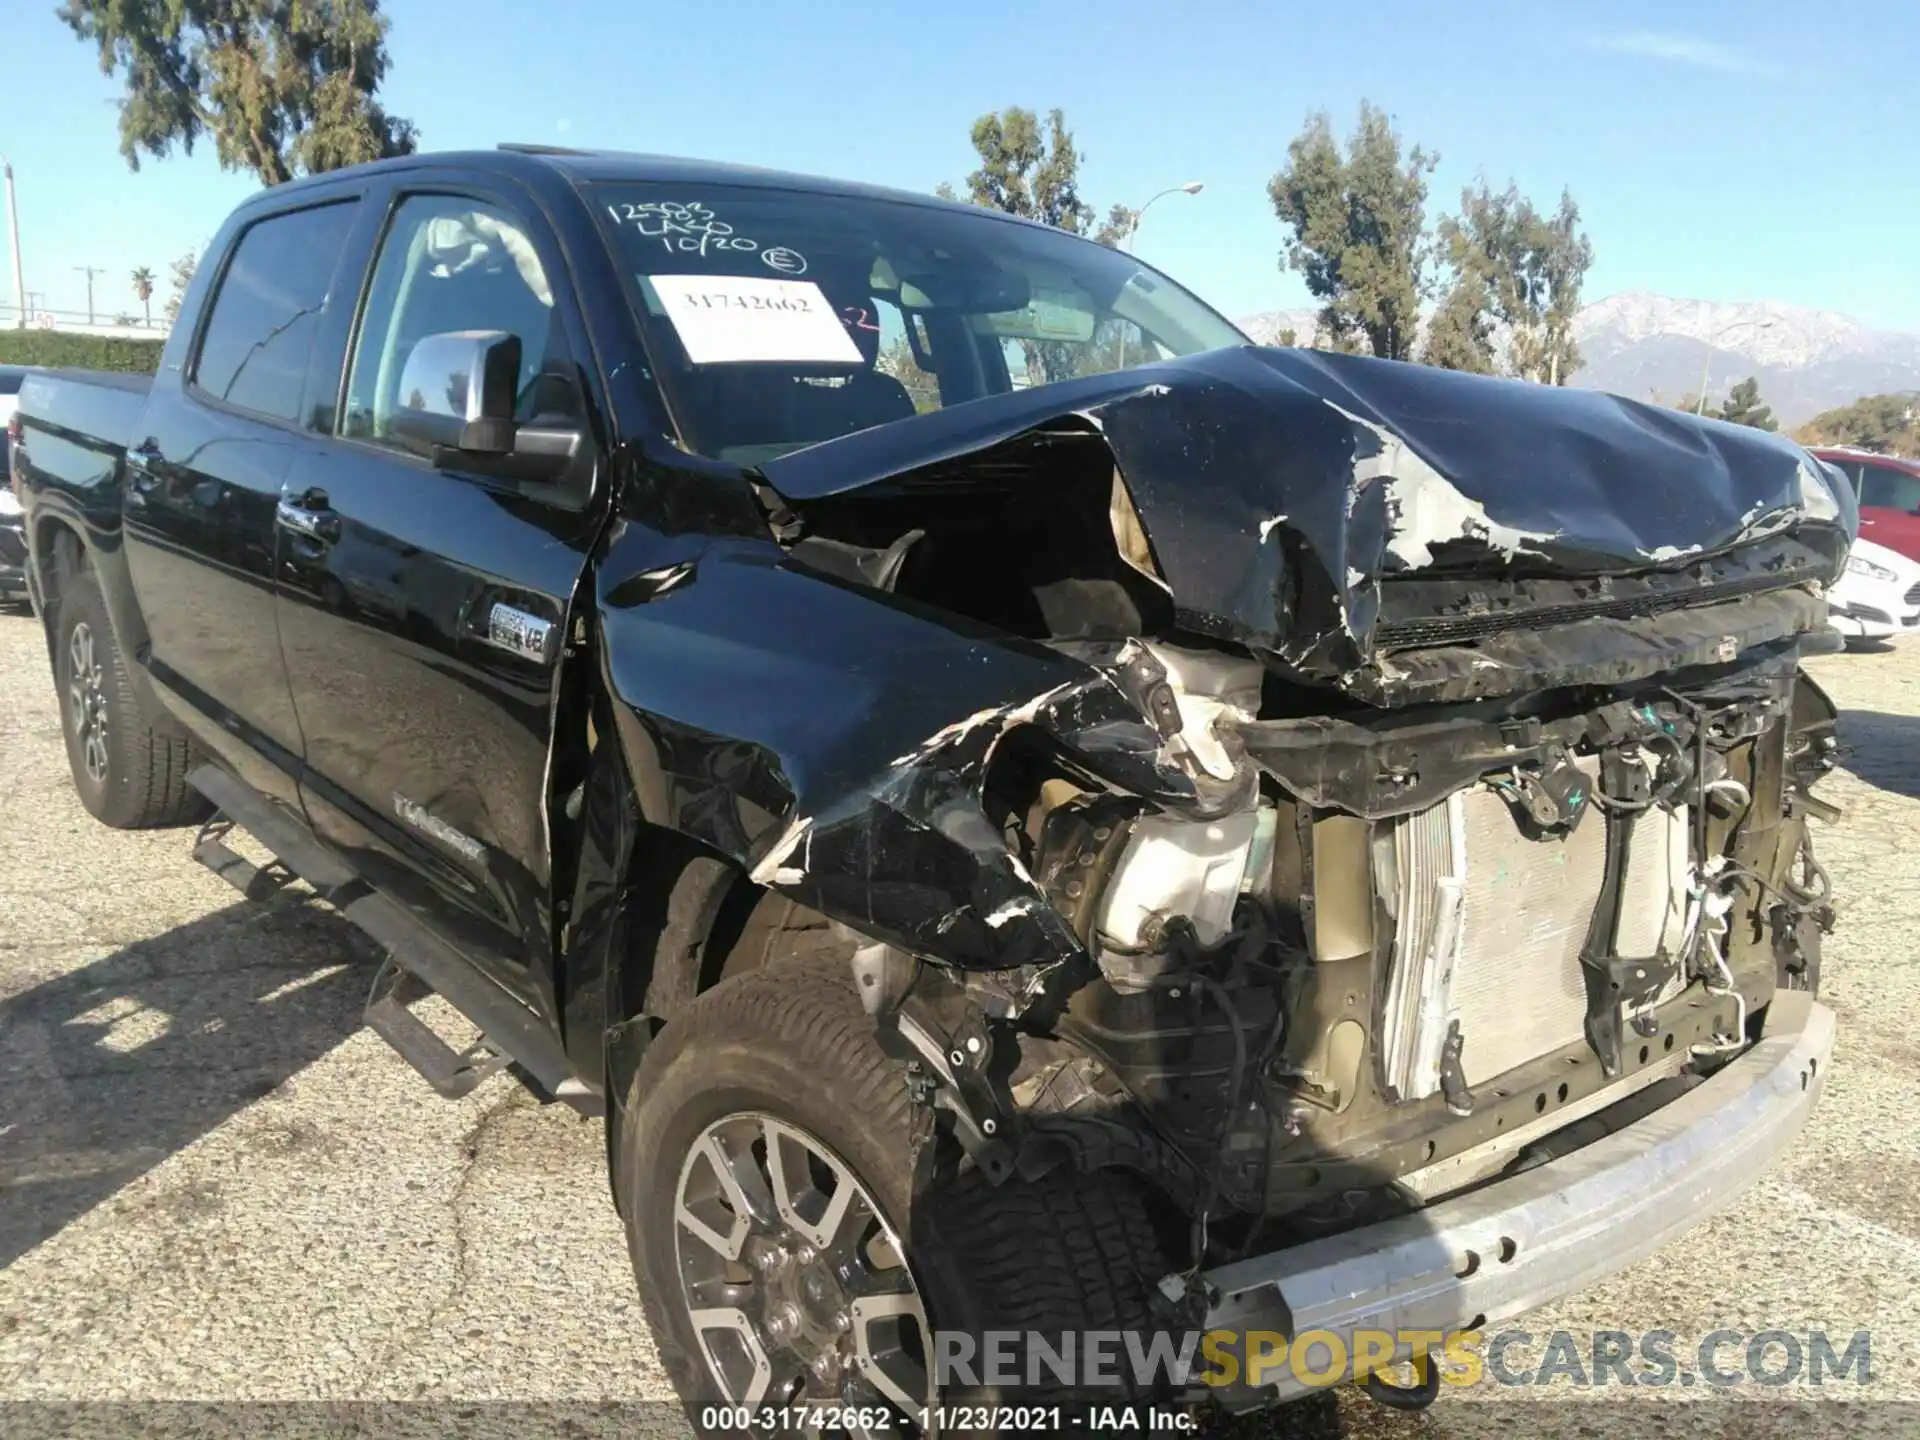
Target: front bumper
[
  {"x": 1864, "y": 622},
  {"x": 1868, "y": 609},
  {"x": 1518, "y": 1243}
]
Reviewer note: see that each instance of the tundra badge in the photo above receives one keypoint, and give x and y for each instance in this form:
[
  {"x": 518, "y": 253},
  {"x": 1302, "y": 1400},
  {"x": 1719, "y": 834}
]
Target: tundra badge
[{"x": 428, "y": 823}]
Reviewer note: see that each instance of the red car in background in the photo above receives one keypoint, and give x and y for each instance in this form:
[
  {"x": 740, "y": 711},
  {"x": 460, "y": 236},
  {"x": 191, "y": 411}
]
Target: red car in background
[{"x": 1889, "y": 491}]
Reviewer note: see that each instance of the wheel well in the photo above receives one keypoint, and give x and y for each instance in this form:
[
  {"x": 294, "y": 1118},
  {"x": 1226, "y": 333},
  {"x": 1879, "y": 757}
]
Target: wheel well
[
  {"x": 61, "y": 550},
  {"x": 59, "y": 554},
  {"x": 693, "y": 918},
  {"x": 682, "y": 913},
  {"x": 688, "y": 919},
  {"x": 684, "y": 908}
]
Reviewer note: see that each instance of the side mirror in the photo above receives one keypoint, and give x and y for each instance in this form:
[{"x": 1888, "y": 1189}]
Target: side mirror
[{"x": 457, "y": 391}]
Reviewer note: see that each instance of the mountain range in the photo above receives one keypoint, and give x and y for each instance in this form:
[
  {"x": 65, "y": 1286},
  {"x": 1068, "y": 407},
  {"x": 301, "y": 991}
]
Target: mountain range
[{"x": 1652, "y": 347}]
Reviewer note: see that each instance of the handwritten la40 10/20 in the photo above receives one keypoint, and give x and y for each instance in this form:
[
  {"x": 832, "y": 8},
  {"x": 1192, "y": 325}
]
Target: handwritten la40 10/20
[{"x": 734, "y": 300}]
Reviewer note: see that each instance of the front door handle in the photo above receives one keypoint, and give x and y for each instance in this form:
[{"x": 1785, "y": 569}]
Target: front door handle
[
  {"x": 302, "y": 517},
  {"x": 143, "y": 466}
]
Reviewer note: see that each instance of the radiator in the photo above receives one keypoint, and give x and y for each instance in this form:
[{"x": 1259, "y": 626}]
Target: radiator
[{"x": 1489, "y": 925}]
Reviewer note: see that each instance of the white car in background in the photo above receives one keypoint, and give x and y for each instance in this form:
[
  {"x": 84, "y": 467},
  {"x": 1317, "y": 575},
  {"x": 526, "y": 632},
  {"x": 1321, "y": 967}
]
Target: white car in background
[{"x": 1879, "y": 596}]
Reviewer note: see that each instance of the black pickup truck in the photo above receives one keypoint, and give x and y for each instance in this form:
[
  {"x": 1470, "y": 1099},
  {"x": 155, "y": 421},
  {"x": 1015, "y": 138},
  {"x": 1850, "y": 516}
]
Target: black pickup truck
[{"x": 1026, "y": 812}]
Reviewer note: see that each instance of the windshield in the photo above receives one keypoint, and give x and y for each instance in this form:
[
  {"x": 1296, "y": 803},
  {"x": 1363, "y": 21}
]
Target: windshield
[{"x": 781, "y": 318}]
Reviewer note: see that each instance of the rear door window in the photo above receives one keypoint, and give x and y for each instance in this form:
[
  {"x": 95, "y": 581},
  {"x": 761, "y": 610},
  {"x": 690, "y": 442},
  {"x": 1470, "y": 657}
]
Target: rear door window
[{"x": 266, "y": 313}]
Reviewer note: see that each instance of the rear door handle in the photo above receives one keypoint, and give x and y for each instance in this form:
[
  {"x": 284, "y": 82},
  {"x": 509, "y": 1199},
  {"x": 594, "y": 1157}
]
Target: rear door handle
[{"x": 309, "y": 516}]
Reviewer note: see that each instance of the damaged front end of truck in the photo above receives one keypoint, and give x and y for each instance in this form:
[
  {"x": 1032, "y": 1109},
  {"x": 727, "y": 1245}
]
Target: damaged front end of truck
[{"x": 1317, "y": 785}]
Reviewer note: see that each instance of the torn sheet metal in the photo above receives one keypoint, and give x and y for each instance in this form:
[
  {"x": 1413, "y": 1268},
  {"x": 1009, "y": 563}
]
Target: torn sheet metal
[
  {"x": 1286, "y": 493},
  {"x": 847, "y": 771},
  {"x": 1600, "y": 650}
]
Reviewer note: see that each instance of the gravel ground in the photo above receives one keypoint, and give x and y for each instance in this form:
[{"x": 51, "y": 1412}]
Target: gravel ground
[{"x": 216, "y": 1186}]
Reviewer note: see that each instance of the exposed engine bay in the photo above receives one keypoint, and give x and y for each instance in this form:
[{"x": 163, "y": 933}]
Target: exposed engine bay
[
  {"x": 1326, "y": 830},
  {"x": 1303, "y": 1009}
]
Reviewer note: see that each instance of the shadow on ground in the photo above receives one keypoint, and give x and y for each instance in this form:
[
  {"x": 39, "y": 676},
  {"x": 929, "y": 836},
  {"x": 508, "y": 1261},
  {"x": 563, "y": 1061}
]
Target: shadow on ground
[
  {"x": 110, "y": 1068},
  {"x": 1882, "y": 749}
]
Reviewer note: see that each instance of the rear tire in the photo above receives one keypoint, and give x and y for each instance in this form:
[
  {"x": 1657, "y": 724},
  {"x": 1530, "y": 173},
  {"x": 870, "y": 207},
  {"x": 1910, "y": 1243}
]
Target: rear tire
[
  {"x": 130, "y": 774},
  {"x": 787, "y": 1052}
]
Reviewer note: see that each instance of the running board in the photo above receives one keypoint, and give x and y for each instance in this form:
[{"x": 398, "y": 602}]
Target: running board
[
  {"x": 511, "y": 1030},
  {"x": 452, "y": 1073}
]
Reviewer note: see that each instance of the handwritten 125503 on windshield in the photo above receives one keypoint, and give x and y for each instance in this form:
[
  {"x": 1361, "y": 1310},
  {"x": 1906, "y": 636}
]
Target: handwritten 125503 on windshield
[{"x": 685, "y": 227}]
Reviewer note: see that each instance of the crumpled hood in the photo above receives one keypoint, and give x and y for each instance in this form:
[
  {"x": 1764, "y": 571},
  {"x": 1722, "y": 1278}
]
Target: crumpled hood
[{"x": 1282, "y": 488}]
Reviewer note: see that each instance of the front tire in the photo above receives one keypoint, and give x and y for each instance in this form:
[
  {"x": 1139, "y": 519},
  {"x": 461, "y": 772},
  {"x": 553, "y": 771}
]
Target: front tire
[
  {"x": 129, "y": 774},
  {"x": 765, "y": 1103}
]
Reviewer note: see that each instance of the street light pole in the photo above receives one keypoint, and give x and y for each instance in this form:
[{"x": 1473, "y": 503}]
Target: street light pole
[
  {"x": 1700, "y": 405},
  {"x": 13, "y": 235},
  {"x": 1192, "y": 187},
  {"x": 90, "y": 271}
]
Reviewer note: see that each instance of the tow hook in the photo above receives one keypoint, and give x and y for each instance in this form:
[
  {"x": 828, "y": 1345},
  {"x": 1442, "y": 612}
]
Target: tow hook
[{"x": 1417, "y": 1396}]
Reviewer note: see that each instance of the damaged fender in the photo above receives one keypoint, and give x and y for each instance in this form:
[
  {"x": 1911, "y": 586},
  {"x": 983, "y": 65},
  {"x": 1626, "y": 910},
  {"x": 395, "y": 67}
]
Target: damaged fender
[{"x": 833, "y": 741}]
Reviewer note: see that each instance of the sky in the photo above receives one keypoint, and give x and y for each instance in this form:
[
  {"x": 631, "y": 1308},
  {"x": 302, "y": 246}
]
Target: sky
[{"x": 1766, "y": 150}]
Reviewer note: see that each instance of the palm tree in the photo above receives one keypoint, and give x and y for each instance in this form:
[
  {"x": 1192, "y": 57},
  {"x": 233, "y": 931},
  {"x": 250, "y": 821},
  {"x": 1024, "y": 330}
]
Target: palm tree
[{"x": 143, "y": 288}]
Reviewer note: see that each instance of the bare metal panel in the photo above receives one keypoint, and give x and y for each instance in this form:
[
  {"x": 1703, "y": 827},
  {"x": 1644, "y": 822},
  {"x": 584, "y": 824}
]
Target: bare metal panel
[{"x": 1342, "y": 896}]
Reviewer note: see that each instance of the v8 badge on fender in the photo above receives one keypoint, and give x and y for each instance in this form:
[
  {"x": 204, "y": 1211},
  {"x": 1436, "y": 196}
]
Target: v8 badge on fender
[{"x": 519, "y": 633}]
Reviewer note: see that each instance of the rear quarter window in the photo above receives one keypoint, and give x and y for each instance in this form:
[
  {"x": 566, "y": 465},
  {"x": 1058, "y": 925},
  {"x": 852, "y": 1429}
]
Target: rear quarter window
[{"x": 260, "y": 330}]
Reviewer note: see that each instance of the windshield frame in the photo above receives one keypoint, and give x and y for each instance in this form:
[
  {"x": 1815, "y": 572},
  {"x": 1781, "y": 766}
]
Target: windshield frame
[{"x": 651, "y": 329}]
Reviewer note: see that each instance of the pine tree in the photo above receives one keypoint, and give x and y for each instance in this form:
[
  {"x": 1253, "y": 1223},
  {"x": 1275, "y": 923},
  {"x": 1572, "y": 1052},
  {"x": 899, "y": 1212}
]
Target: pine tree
[{"x": 1743, "y": 406}]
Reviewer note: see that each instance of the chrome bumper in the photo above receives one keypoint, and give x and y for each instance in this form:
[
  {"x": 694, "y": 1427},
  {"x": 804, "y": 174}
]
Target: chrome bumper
[{"x": 1519, "y": 1243}]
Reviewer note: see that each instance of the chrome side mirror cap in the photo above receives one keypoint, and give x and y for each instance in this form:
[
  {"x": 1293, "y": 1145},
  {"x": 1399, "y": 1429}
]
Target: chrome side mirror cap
[{"x": 457, "y": 392}]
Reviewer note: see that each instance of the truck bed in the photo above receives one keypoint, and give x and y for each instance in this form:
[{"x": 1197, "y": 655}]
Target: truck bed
[{"x": 99, "y": 409}]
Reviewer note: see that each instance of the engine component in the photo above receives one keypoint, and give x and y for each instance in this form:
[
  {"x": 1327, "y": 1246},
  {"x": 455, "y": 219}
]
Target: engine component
[
  {"x": 1191, "y": 869},
  {"x": 1176, "y": 869},
  {"x": 1557, "y": 796}
]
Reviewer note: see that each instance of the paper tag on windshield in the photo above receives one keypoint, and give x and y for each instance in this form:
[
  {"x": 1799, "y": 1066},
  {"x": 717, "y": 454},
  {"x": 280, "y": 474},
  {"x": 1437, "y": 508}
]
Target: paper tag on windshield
[{"x": 722, "y": 318}]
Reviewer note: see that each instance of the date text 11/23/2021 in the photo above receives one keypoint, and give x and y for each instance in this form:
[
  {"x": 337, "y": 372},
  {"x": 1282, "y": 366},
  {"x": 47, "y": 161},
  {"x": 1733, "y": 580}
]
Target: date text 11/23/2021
[{"x": 991, "y": 1419}]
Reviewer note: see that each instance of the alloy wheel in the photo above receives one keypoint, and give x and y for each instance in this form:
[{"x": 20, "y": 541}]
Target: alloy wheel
[
  {"x": 87, "y": 700},
  {"x": 797, "y": 1287}
]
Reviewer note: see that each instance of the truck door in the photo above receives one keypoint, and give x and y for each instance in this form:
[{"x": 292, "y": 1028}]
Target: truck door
[
  {"x": 423, "y": 600},
  {"x": 203, "y": 481}
]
